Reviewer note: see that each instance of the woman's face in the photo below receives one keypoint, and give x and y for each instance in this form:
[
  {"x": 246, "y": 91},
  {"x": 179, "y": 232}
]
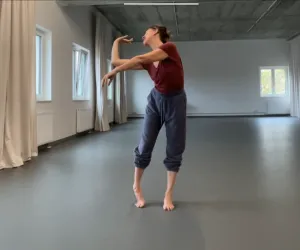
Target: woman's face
[{"x": 149, "y": 34}]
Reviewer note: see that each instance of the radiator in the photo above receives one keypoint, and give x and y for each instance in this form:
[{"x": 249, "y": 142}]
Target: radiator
[
  {"x": 44, "y": 127},
  {"x": 84, "y": 120}
]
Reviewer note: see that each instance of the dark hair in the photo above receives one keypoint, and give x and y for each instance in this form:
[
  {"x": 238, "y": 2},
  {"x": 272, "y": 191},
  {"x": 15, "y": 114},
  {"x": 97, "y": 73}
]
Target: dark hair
[{"x": 163, "y": 32}]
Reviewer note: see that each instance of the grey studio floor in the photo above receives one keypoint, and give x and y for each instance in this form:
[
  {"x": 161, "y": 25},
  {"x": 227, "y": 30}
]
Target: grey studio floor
[{"x": 239, "y": 189}]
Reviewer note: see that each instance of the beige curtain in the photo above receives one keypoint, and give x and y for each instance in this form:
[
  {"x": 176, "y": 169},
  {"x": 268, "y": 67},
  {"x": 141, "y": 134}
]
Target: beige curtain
[
  {"x": 295, "y": 77},
  {"x": 17, "y": 83},
  {"x": 101, "y": 121}
]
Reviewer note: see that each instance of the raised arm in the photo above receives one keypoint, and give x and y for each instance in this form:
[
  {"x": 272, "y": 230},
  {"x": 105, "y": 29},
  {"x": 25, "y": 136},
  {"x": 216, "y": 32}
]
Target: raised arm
[
  {"x": 115, "y": 56},
  {"x": 153, "y": 56},
  {"x": 164, "y": 51}
]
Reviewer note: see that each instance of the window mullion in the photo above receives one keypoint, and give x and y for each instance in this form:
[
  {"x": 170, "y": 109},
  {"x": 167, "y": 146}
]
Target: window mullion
[{"x": 273, "y": 81}]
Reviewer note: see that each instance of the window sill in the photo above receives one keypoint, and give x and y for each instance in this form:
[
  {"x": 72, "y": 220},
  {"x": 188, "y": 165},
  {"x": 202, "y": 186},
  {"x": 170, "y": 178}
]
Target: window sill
[
  {"x": 81, "y": 100},
  {"x": 43, "y": 100},
  {"x": 274, "y": 96}
]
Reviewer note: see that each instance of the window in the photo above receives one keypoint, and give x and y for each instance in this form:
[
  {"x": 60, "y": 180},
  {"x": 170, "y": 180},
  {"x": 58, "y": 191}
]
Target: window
[
  {"x": 273, "y": 81},
  {"x": 38, "y": 44},
  {"x": 80, "y": 72},
  {"x": 110, "y": 87},
  {"x": 43, "y": 64}
]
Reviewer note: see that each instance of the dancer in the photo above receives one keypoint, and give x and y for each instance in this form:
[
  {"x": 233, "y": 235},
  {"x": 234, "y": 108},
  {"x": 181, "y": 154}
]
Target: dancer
[{"x": 166, "y": 106}]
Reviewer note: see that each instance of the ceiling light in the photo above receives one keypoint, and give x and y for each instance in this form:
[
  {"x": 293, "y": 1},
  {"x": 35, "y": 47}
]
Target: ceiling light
[{"x": 161, "y": 4}]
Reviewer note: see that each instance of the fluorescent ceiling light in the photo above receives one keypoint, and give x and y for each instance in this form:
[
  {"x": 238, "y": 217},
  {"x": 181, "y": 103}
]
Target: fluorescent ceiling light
[{"x": 161, "y": 4}]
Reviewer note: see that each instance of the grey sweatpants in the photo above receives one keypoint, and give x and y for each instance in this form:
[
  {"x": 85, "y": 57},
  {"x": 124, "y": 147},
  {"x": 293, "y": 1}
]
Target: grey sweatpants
[{"x": 168, "y": 110}]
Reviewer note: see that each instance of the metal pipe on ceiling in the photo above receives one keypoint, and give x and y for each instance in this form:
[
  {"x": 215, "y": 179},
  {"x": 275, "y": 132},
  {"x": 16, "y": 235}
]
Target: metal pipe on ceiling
[
  {"x": 183, "y": 3},
  {"x": 122, "y": 2},
  {"x": 231, "y": 1},
  {"x": 273, "y": 6},
  {"x": 294, "y": 36},
  {"x": 176, "y": 20}
]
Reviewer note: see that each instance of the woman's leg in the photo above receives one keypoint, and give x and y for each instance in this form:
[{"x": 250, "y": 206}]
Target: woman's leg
[
  {"x": 143, "y": 153},
  {"x": 176, "y": 136}
]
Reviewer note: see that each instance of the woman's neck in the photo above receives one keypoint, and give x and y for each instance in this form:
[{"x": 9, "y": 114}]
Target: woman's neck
[{"x": 155, "y": 44}]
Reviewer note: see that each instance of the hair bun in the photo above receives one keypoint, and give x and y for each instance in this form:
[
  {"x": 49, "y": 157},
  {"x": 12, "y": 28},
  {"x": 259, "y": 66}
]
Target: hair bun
[
  {"x": 168, "y": 34},
  {"x": 164, "y": 33}
]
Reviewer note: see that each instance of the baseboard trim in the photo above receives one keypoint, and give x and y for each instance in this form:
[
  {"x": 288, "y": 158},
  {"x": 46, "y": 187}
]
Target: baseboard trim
[
  {"x": 135, "y": 116},
  {"x": 240, "y": 116},
  {"x": 63, "y": 140},
  {"x": 221, "y": 115},
  {"x": 72, "y": 137}
]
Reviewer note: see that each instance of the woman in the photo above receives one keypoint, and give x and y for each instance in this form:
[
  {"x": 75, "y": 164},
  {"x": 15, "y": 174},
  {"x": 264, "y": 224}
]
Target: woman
[{"x": 166, "y": 106}]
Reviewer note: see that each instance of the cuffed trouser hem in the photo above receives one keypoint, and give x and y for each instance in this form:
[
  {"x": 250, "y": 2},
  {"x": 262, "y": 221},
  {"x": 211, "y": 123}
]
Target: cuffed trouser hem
[
  {"x": 141, "y": 161},
  {"x": 172, "y": 167}
]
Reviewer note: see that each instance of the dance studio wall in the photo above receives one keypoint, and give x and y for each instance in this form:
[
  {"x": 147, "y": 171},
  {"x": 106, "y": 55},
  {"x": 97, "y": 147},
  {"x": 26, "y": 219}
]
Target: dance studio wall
[
  {"x": 221, "y": 77},
  {"x": 67, "y": 25}
]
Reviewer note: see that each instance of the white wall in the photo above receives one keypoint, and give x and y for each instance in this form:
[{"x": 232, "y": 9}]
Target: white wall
[
  {"x": 221, "y": 77},
  {"x": 68, "y": 25}
]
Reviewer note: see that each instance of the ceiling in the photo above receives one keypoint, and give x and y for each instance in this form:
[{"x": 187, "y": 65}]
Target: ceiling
[{"x": 210, "y": 20}]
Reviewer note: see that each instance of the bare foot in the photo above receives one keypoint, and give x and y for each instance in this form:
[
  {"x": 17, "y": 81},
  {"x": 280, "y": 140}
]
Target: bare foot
[
  {"x": 168, "y": 202},
  {"x": 140, "y": 201}
]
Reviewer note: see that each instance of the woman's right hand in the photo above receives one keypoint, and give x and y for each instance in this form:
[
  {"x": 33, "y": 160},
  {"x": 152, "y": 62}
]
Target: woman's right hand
[{"x": 124, "y": 39}]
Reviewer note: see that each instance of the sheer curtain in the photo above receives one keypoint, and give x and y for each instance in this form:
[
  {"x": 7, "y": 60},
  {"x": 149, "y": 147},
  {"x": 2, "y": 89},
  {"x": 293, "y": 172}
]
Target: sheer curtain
[
  {"x": 295, "y": 77},
  {"x": 120, "y": 99},
  {"x": 18, "y": 142},
  {"x": 120, "y": 96},
  {"x": 101, "y": 56}
]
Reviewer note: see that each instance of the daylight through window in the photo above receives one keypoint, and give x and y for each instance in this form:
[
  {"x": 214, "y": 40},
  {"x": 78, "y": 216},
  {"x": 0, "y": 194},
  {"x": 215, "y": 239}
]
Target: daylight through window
[
  {"x": 273, "y": 81},
  {"x": 80, "y": 67},
  {"x": 43, "y": 64},
  {"x": 38, "y": 41}
]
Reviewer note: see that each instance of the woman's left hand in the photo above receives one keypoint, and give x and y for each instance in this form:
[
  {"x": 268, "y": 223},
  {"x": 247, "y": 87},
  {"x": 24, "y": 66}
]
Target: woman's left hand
[{"x": 108, "y": 78}]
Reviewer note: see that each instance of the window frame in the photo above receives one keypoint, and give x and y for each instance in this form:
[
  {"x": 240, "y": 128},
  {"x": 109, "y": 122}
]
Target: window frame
[
  {"x": 46, "y": 65},
  {"x": 86, "y": 85},
  {"x": 273, "y": 68}
]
